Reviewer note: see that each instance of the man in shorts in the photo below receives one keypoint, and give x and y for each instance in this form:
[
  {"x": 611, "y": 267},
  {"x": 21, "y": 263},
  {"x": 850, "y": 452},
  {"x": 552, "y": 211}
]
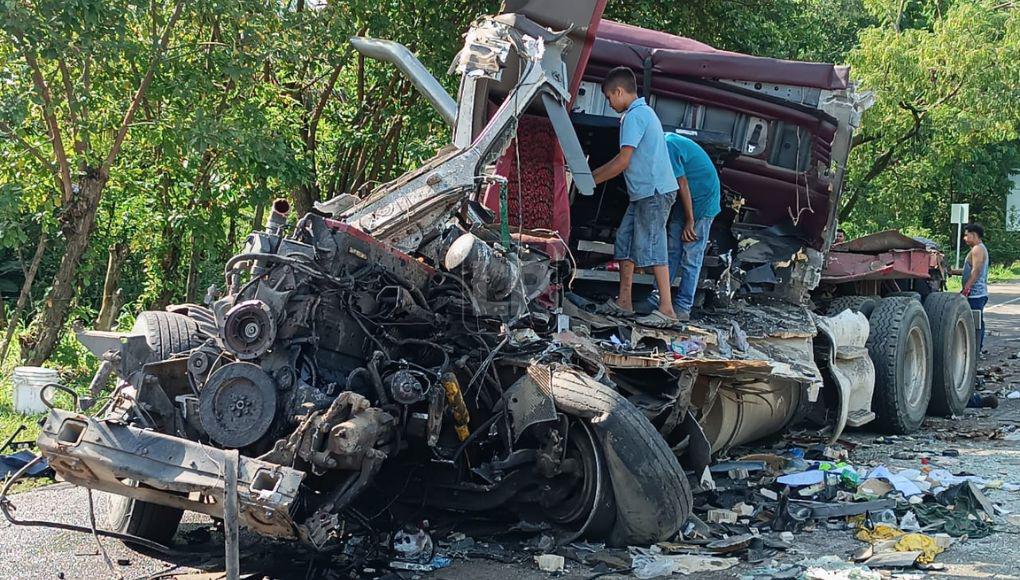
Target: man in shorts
[{"x": 643, "y": 161}]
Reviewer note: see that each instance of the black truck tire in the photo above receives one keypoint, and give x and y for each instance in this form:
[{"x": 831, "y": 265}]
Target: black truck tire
[
  {"x": 862, "y": 304},
  {"x": 900, "y": 347},
  {"x": 954, "y": 348},
  {"x": 151, "y": 521},
  {"x": 167, "y": 333},
  {"x": 651, "y": 494}
]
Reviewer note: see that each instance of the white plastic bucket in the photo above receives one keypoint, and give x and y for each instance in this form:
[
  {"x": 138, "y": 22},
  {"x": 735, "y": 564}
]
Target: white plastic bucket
[{"x": 28, "y": 386}]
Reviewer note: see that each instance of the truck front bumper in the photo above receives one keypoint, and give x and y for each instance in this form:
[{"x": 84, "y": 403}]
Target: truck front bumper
[{"x": 113, "y": 457}]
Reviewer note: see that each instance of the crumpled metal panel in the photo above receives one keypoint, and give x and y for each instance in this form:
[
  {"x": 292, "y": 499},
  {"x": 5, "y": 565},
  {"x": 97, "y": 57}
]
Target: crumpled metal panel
[
  {"x": 842, "y": 267},
  {"x": 851, "y": 367}
]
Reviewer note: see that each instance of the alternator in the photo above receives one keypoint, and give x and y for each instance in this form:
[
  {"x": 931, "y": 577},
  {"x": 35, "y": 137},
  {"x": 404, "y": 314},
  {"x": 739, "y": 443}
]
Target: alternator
[{"x": 249, "y": 329}]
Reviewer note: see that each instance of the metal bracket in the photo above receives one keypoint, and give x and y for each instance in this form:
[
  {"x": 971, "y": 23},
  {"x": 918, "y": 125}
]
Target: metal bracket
[{"x": 528, "y": 404}]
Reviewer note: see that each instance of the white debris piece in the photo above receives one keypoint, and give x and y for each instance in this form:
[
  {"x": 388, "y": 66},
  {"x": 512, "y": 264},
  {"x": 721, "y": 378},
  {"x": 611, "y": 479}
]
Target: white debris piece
[
  {"x": 652, "y": 563},
  {"x": 550, "y": 562}
]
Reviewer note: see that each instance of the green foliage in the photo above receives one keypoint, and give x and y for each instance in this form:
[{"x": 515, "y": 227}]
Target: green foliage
[
  {"x": 945, "y": 125},
  {"x": 257, "y": 100}
]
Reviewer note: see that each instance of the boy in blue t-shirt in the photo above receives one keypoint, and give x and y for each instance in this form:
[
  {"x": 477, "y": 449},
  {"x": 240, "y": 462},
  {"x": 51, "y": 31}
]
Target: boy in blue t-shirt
[{"x": 651, "y": 186}]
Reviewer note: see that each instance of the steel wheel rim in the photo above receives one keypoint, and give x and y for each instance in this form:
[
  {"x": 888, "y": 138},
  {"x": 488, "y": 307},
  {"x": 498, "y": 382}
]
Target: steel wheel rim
[
  {"x": 961, "y": 356},
  {"x": 585, "y": 503},
  {"x": 914, "y": 367}
]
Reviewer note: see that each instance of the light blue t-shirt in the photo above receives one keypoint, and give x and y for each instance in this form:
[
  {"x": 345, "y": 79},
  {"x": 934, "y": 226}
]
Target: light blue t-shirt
[
  {"x": 649, "y": 171},
  {"x": 689, "y": 159}
]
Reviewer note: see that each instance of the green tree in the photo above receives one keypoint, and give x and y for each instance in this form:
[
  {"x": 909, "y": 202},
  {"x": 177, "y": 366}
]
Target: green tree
[
  {"x": 67, "y": 48},
  {"x": 947, "y": 80}
]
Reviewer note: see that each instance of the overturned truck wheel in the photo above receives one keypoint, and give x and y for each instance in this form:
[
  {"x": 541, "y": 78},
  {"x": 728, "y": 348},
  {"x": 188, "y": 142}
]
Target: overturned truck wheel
[
  {"x": 143, "y": 519},
  {"x": 648, "y": 489},
  {"x": 900, "y": 347},
  {"x": 167, "y": 333},
  {"x": 954, "y": 346}
]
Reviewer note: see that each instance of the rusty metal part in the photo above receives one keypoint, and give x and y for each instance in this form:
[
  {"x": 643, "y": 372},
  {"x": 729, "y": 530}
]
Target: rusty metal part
[
  {"x": 338, "y": 438},
  {"x": 174, "y": 472},
  {"x": 455, "y": 399},
  {"x": 238, "y": 404}
]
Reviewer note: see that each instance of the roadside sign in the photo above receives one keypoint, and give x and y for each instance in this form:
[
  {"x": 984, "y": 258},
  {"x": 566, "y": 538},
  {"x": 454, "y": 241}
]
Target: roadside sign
[{"x": 960, "y": 213}]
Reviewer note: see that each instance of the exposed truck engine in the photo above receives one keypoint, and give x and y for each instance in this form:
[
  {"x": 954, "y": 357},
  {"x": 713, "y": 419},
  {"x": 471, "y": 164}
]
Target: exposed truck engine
[{"x": 422, "y": 347}]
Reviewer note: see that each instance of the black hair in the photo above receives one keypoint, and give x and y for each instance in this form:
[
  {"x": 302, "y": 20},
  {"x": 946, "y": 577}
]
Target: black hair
[
  {"x": 841, "y": 230},
  {"x": 620, "y": 76},
  {"x": 975, "y": 228}
]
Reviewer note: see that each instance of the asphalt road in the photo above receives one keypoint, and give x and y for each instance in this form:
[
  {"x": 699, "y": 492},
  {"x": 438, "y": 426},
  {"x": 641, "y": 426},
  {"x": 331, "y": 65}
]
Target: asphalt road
[
  {"x": 27, "y": 552},
  {"x": 1001, "y": 316}
]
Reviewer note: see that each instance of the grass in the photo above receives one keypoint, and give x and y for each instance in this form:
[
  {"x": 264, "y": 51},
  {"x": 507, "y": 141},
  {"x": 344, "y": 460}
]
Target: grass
[
  {"x": 75, "y": 365},
  {"x": 10, "y": 419},
  {"x": 996, "y": 273}
]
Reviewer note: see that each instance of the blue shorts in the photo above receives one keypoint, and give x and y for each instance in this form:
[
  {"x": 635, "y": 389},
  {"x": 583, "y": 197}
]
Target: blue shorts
[{"x": 641, "y": 237}]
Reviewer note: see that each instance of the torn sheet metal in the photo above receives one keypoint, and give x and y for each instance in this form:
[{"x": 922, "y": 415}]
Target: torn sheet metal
[
  {"x": 485, "y": 51},
  {"x": 843, "y": 267}
]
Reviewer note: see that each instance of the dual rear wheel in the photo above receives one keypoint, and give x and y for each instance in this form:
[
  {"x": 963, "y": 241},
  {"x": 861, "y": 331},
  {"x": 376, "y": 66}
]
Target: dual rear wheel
[{"x": 924, "y": 356}]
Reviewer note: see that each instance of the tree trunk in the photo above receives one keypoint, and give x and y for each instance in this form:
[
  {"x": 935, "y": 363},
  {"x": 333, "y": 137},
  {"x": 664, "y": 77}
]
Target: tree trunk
[
  {"x": 191, "y": 290},
  {"x": 305, "y": 196},
  {"x": 76, "y": 223},
  {"x": 79, "y": 216},
  {"x": 109, "y": 307},
  {"x": 24, "y": 296},
  {"x": 170, "y": 264}
]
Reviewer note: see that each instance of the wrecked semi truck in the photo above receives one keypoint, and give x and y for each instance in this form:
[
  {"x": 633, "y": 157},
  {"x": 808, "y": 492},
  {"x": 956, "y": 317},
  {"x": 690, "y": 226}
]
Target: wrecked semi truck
[{"x": 434, "y": 344}]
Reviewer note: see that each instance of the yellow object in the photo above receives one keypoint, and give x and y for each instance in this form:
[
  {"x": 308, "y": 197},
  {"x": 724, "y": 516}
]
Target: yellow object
[
  {"x": 927, "y": 545},
  {"x": 456, "y": 401},
  {"x": 878, "y": 533},
  {"x": 920, "y": 543}
]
